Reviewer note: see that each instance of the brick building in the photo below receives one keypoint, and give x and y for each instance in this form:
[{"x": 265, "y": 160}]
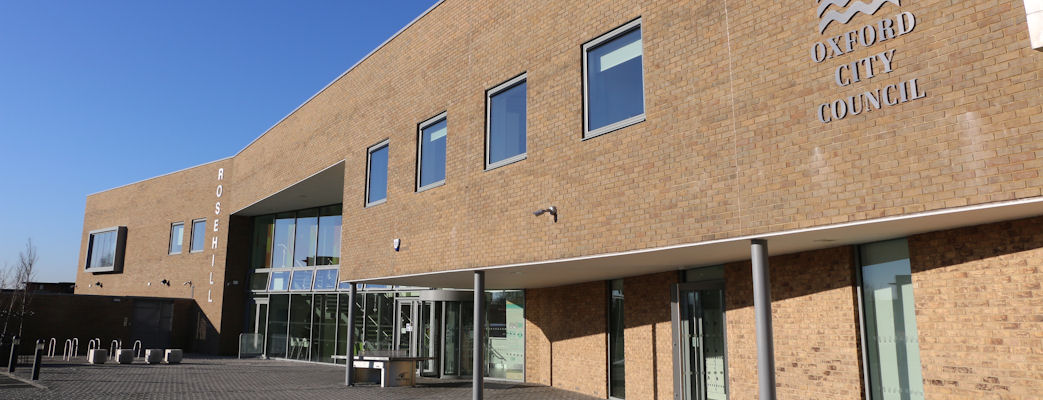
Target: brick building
[{"x": 885, "y": 154}]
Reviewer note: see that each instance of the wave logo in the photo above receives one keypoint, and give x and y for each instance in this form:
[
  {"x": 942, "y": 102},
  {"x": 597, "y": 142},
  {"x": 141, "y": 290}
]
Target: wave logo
[{"x": 828, "y": 16}]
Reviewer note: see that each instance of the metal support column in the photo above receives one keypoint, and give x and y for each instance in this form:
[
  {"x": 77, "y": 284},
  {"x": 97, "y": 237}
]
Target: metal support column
[
  {"x": 432, "y": 342},
  {"x": 479, "y": 336},
  {"x": 762, "y": 310},
  {"x": 349, "y": 364}
]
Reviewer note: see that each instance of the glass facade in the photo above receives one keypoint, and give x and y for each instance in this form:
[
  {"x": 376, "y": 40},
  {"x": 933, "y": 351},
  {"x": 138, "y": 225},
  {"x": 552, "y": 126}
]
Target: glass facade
[
  {"x": 288, "y": 248},
  {"x": 892, "y": 345},
  {"x": 313, "y": 326},
  {"x": 431, "y": 168},
  {"x": 614, "y": 80},
  {"x": 506, "y": 123}
]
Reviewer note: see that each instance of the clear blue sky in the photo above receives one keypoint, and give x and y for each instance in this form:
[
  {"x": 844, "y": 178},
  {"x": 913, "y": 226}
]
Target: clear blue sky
[{"x": 97, "y": 94}]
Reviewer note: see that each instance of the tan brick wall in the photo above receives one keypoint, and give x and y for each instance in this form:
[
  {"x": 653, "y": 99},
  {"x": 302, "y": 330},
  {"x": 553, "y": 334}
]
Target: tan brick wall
[
  {"x": 731, "y": 145},
  {"x": 647, "y": 336},
  {"x": 565, "y": 342},
  {"x": 148, "y": 209},
  {"x": 815, "y": 323},
  {"x": 979, "y": 310}
]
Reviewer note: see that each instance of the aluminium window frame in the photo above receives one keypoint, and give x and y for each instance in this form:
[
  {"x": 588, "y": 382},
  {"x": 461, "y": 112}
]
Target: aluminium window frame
[
  {"x": 170, "y": 241},
  {"x": 192, "y": 236},
  {"x": 386, "y": 143},
  {"x": 443, "y": 116},
  {"x": 119, "y": 250},
  {"x": 489, "y": 94},
  {"x": 604, "y": 38}
]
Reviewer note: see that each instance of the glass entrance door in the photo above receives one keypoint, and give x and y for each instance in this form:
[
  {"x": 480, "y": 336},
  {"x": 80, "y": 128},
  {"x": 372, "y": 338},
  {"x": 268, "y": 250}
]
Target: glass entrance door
[{"x": 699, "y": 341}]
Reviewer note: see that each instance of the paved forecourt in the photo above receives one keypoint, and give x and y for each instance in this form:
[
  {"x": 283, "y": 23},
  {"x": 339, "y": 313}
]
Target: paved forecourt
[{"x": 231, "y": 378}]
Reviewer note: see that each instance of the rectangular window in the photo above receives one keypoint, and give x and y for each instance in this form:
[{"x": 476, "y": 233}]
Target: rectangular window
[
  {"x": 329, "y": 236},
  {"x": 280, "y": 281},
  {"x": 301, "y": 280},
  {"x": 177, "y": 233},
  {"x": 282, "y": 248},
  {"x": 505, "y": 123},
  {"x": 105, "y": 249},
  {"x": 616, "y": 358},
  {"x": 198, "y": 235},
  {"x": 377, "y": 174},
  {"x": 892, "y": 346},
  {"x": 613, "y": 93},
  {"x": 306, "y": 238},
  {"x": 431, "y": 152},
  {"x": 326, "y": 279}
]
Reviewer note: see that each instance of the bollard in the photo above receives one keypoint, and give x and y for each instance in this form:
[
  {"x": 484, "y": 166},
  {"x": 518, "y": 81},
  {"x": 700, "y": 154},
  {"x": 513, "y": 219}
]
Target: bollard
[
  {"x": 36, "y": 359},
  {"x": 12, "y": 362}
]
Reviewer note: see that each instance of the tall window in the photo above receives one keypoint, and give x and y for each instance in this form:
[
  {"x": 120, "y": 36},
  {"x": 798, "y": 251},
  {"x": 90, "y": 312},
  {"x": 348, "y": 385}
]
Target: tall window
[
  {"x": 177, "y": 233},
  {"x": 198, "y": 236},
  {"x": 328, "y": 252},
  {"x": 505, "y": 123},
  {"x": 616, "y": 359},
  {"x": 613, "y": 72},
  {"x": 377, "y": 174},
  {"x": 892, "y": 346},
  {"x": 431, "y": 153}
]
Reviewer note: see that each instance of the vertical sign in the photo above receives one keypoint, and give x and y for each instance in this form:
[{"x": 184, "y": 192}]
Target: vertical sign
[{"x": 213, "y": 241}]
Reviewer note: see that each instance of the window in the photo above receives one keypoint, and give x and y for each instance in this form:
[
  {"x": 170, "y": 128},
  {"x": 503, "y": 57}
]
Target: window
[
  {"x": 892, "y": 346},
  {"x": 105, "y": 249},
  {"x": 613, "y": 94},
  {"x": 431, "y": 153},
  {"x": 377, "y": 174},
  {"x": 279, "y": 282},
  {"x": 329, "y": 236},
  {"x": 616, "y": 358},
  {"x": 306, "y": 238},
  {"x": 282, "y": 249},
  {"x": 505, "y": 123},
  {"x": 301, "y": 280},
  {"x": 326, "y": 279},
  {"x": 198, "y": 236},
  {"x": 177, "y": 233}
]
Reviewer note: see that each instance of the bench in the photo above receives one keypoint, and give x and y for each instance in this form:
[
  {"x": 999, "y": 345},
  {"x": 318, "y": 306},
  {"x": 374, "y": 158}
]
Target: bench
[{"x": 389, "y": 371}]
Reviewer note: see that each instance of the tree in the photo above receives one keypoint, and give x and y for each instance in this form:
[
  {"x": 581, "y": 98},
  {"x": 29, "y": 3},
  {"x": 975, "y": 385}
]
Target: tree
[{"x": 20, "y": 298}]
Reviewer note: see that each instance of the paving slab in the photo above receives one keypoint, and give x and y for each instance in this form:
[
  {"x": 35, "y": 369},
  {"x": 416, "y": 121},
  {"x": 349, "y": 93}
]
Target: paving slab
[{"x": 230, "y": 378}]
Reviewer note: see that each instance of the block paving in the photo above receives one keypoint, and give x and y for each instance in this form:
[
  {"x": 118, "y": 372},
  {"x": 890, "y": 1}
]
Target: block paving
[{"x": 232, "y": 378}]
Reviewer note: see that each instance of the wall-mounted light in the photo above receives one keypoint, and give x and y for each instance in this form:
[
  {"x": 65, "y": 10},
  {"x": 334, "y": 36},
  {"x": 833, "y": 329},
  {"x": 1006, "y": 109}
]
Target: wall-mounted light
[
  {"x": 98, "y": 284},
  {"x": 165, "y": 282},
  {"x": 552, "y": 210},
  {"x": 189, "y": 283}
]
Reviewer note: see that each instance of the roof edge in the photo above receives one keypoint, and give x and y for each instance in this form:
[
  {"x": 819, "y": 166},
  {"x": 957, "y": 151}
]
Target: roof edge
[{"x": 161, "y": 175}]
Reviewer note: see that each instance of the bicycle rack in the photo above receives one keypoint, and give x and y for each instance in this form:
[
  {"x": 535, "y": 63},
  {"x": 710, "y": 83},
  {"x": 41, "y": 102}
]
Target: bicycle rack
[
  {"x": 75, "y": 346},
  {"x": 51, "y": 347},
  {"x": 69, "y": 350},
  {"x": 137, "y": 348},
  {"x": 114, "y": 346}
]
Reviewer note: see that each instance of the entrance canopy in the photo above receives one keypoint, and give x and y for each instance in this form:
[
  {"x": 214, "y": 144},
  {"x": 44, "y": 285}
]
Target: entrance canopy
[
  {"x": 321, "y": 189},
  {"x": 678, "y": 257}
]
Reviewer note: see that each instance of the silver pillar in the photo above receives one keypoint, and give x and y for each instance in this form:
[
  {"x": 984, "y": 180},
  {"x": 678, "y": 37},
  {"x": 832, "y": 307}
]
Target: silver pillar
[
  {"x": 349, "y": 367},
  {"x": 479, "y": 338},
  {"x": 762, "y": 310}
]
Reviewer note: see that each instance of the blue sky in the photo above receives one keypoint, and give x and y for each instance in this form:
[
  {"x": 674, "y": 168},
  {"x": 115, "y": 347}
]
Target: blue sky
[{"x": 97, "y": 94}]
